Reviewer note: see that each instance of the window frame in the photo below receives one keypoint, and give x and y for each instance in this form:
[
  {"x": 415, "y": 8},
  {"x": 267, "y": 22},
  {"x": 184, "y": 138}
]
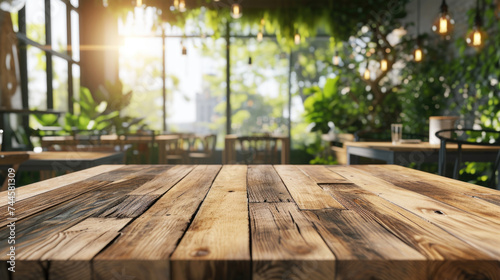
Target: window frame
[{"x": 24, "y": 42}]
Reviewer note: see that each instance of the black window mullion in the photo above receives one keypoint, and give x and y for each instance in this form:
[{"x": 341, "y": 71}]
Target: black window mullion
[
  {"x": 23, "y": 59},
  {"x": 48, "y": 40},
  {"x": 70, "y": 54}
]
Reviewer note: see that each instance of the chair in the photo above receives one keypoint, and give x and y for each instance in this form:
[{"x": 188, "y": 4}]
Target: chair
[
  {"x": 202, "y": 149},
  {"x": 467, "y": 137},
  {"x": 141, "y": 143},
  {"x": 258, "y": 150},
  {"x": 177, "y": 149}
]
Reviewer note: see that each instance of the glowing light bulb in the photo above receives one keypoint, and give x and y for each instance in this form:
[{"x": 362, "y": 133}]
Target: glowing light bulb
[
  {"x": 236, "y": 11},
  {"x": 443, "y": 25},
  {"x": 367, "y": 75},
  {"x": 418, "y": 54},
  {"x": 336, "y": 60},
  {"x": 138, "y": 3},
  {"x": 297, "y": 38},
  {"x": 260, "y": 36},
  {"x": 383, "y": 65},
  {"x": 477, "y": 40},
  {"x": 176, "y": 4},
  {"x": 182, "y": 6}
]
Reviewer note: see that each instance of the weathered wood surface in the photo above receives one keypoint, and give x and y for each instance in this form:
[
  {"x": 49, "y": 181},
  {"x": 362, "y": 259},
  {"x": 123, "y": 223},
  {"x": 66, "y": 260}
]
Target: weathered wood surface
[{"x": 255, "y": 222}]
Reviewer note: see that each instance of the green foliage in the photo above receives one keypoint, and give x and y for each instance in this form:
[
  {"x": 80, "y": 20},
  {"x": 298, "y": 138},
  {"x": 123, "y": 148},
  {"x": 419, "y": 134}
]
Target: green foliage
[
  {"x": 92, "y": 114},
  {"x": 339, "y": 21}
]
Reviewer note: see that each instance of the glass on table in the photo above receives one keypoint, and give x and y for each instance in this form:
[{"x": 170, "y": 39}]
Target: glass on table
[{"x": 396, "y": 133}]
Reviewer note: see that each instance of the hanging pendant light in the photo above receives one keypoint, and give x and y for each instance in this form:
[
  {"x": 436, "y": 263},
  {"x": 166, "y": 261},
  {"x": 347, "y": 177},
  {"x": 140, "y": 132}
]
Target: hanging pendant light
[
  {"x": 418, "y": 53},
  {"x": 260, "y": 36},
  {"x": 367, "y": 74},
  {"x": 477, "y": 35},
  {"x": 296, "y": 38},
  {"x": 336, "y": 59},
  {"x": 176, "y": 4},
  {"x": 236, "y": 11},
  {"x": 384, "y": 65},
  {"x": 443, "y": 25},
  {"x": 182, "y": 6},
  {"x": 138, "y": 3}
]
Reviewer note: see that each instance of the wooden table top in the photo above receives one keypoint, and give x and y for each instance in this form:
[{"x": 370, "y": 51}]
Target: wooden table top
[
  {"x": 9, "y": 158},
  {"x": 253, "y": 222},
  {"x": 424, "y": 146}
]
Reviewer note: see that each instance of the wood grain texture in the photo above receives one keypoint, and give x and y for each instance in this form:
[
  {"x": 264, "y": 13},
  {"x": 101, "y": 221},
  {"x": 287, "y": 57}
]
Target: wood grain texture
[
  {"x": 217, "y": 243},
  {"x": 475, "y": 230},
  {"x": 50, "y": 221},
  {"x": 264, "y": 185},
  {"x": 305, "y": 192},
  {"x": 57, "y": 182},
  {"x": 323, "y": 175},
  {"x": 443, "y": 251},
  {"x": 165, "y": 222},
  {"x": 195, "y": 222},
  {"x": 285, "y": 244},
  {"x": 160, "y": 227},
  {"x": 164, "y": 181},
  {"x": 79, "y": 242},
  {"x": 429, "y": 240},
  {"x": 455, "y": 195}
]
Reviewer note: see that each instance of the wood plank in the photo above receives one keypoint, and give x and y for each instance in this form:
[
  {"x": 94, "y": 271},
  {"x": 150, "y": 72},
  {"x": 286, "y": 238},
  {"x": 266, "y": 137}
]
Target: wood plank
[
  {"x": 57, "y": 182},
  {"x": 354, "y": 237},
  {"x": 79, "y": 242},
  {"x": 429, "y": 240},
  {"x": 42, "y": 225},
  {"x": 285, "y": 244},
  {"x": 456, "y": 195},
  {"x": 216, "y": 245},
  {"x": 476, "y": 231},
  {"x": 35, "y": 204},
  {"x": 363, "y": 247},
  {"x": 166, "y": 221},
  {"x": 444, "y": 252},
  {"x": 133, "y": 206},
  {"x": 305, "y": 192},
  {"x": 264, "y": 185},
  {"x": 474, "y": 191},
  {"x": 162, "y": 183},
  {"x": 322, "y": 175}
]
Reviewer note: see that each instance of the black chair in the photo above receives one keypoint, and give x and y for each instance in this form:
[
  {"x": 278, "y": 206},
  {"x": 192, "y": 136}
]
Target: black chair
[{"x": 467, "y": 137}]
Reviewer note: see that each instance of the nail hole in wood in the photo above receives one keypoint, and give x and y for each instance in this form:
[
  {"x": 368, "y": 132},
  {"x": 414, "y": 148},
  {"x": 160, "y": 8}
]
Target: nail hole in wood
[
  {"x": 231, "y": 191},
  {"x": 439, "y": 212}
]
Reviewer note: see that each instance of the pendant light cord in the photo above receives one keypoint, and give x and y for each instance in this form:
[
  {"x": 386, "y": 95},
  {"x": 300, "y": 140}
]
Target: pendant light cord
[{"x": 418, "y": 18}]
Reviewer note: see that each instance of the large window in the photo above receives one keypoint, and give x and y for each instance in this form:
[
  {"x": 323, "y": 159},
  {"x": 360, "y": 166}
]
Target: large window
[{"x": 48, "y": 33}]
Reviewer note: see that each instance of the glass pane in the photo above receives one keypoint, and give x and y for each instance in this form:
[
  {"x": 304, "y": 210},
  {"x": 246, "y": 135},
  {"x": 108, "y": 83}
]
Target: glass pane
[
  {"x": 76, "y": 86},
  {"x": 35, "y": 20},
  {"x": 74, "y": 3},
  {"x": 60, "y": 83},
  {"x": 259, "y": 88},
  {"x": 15, "y": 21},
  {"x": 37, "y": 78},
  {"x": 196, "y": 103},
  {"x": 141, "y": 72},
  {"x": 75, "y": 35},
  {"x": 59, "y": 26}
]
